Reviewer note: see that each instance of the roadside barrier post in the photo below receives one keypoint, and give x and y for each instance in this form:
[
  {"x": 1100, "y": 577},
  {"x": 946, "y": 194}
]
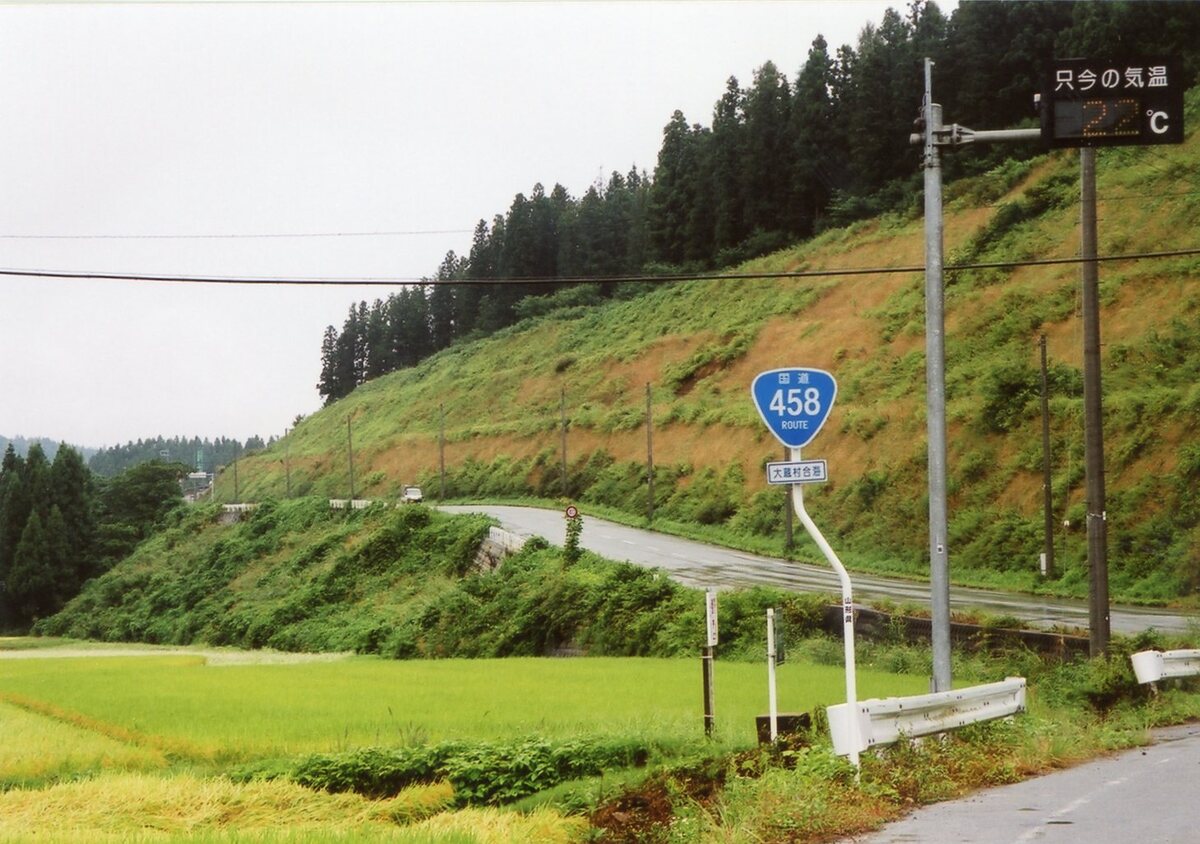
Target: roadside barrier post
[
  {"x": 706, "y": 660},
  {"x": 772, "y": 700}
]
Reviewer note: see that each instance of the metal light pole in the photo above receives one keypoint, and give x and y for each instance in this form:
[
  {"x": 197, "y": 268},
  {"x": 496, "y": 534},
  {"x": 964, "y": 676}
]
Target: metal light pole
[
  {"x": 937, "y": 135},
  {"x": 935, "y": 391}
]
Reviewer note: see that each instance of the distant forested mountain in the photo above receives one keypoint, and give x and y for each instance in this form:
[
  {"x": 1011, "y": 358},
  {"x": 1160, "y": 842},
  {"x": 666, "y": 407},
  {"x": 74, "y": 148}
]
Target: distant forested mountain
[
  {"x": 197, "y": 454},
  {"x": 49, "y": 447},
  {"x": 780, "y": 160}
]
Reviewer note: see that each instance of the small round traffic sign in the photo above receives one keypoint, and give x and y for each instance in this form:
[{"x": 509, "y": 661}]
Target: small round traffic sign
[{"x": 572, "y": 512}]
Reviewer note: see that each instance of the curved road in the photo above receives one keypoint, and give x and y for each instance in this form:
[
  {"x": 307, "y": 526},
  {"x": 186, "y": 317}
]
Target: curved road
[{"x": 700, "y": 565}]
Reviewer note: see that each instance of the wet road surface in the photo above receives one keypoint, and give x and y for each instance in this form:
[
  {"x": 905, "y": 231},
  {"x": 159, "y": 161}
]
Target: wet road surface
[{"x": 697, "y": 564}]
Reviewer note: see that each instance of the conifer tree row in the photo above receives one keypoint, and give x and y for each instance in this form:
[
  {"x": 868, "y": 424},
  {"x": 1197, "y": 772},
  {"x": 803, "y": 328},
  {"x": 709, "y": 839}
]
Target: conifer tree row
[
  {"x": 780, "y": 161},
  {"x": 60, "y": 525},
  {"x": 47, "y": 530}
]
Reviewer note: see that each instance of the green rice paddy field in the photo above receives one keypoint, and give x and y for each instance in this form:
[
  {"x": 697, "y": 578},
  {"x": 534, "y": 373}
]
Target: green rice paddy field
[{"x": 125, "y": 747}]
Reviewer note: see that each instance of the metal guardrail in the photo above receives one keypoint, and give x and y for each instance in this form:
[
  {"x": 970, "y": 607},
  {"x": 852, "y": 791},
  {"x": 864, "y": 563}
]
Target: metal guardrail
[
  {"x": 882, "y": 721},
  {"x": 1152, "y": 666},
  {"x": 506, "y": 541},
  {"x": 350, "y": 504},
  {"x": 334, "y": 504}
]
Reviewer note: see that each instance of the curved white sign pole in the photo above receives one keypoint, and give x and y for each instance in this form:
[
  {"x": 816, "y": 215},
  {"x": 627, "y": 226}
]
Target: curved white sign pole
[{"x": 847, "y": 608}]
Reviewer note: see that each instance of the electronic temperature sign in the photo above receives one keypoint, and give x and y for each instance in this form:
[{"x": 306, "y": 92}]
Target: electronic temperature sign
[{"x": 1100, "y": 103}]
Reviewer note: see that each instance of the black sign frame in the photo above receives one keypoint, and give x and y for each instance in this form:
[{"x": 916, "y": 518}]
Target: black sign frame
[{"x": 1112, "y": 102}]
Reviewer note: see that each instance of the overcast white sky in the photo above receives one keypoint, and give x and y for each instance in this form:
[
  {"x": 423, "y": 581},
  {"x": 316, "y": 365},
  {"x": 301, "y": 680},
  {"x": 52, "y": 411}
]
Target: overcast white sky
[{"x": 277, "y": 119}]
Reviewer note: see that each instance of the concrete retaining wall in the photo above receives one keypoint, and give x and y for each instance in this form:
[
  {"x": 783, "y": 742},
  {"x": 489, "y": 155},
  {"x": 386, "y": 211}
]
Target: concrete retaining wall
[{"x": 496, "y": 546}]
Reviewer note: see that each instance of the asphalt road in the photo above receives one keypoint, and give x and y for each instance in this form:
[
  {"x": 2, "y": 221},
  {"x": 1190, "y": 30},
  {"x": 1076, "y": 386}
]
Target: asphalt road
[
  {"x": 1146, "y": 796},
  {"x": 700, "y": 565}
]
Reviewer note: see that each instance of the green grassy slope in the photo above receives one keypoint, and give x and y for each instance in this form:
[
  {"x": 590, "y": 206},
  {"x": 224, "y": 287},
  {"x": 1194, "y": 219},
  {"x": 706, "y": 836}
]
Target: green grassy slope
[{"x": 698, "y": 345}]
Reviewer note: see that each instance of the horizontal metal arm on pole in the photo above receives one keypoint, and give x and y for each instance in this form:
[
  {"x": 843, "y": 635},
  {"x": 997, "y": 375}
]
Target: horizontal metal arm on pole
[{"x": 955, "y": 135}]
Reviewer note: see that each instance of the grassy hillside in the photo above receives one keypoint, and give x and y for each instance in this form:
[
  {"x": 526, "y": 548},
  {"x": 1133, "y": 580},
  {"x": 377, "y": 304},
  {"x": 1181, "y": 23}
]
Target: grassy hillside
[{"x": 698, "y": 345}]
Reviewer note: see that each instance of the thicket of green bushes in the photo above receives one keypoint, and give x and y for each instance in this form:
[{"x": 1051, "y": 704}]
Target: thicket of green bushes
[
  {"x": 402, "y": 582},
  {"x": 482, "y": 773}
]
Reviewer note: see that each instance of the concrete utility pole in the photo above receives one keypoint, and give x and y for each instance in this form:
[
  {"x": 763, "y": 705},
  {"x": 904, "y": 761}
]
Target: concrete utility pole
[
  {"x": 937, "y": 135},
  {"x": 1093, "y": 428},
  {"x": 935, "y": 390}
]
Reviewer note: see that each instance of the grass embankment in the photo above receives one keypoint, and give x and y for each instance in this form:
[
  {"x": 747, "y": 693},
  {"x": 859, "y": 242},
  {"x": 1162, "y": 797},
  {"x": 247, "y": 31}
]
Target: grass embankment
[{"x": 698, "y": 345}]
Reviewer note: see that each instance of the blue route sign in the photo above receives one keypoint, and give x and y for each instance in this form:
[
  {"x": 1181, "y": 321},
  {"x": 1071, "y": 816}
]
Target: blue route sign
[{"x": 794, "y": 402}]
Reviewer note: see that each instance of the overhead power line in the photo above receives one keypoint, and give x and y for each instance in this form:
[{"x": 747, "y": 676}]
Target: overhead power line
[
  {"x": 611, "y": 279},
  {"x": 259, "y": 236}
]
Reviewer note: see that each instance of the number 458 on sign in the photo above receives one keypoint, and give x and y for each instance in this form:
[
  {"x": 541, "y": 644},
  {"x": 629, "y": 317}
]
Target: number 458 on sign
[{"x": 794, "y": 402}]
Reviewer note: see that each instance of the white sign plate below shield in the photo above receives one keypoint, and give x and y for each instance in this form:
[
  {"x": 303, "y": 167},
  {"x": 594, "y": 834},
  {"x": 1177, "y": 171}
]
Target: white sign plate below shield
[{"x": 798, "y": 472}]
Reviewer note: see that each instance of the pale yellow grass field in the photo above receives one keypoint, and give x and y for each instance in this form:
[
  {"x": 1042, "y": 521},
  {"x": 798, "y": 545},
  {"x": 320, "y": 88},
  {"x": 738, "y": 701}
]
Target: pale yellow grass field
[
  {"x": 35, "y": 747},
  {"x": 145, "y": 807}
]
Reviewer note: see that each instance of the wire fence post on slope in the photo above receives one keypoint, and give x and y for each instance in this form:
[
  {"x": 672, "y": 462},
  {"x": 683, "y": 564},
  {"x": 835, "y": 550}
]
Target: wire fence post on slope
[
  {"x": 1047, "y": 491},
  {"x": 649, "y": 456},
  {"x": 350, "y": 457},
  {"x": 442, "y": 450},
  {"x": 562, "y": 412},
  {"x": 287, "y": 462}
]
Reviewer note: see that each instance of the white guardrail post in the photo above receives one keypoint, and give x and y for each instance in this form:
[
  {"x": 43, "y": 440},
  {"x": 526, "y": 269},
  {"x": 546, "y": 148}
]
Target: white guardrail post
[
  {"x": 1152, "y": 666},
  {"x": 879, "y": 721}
]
